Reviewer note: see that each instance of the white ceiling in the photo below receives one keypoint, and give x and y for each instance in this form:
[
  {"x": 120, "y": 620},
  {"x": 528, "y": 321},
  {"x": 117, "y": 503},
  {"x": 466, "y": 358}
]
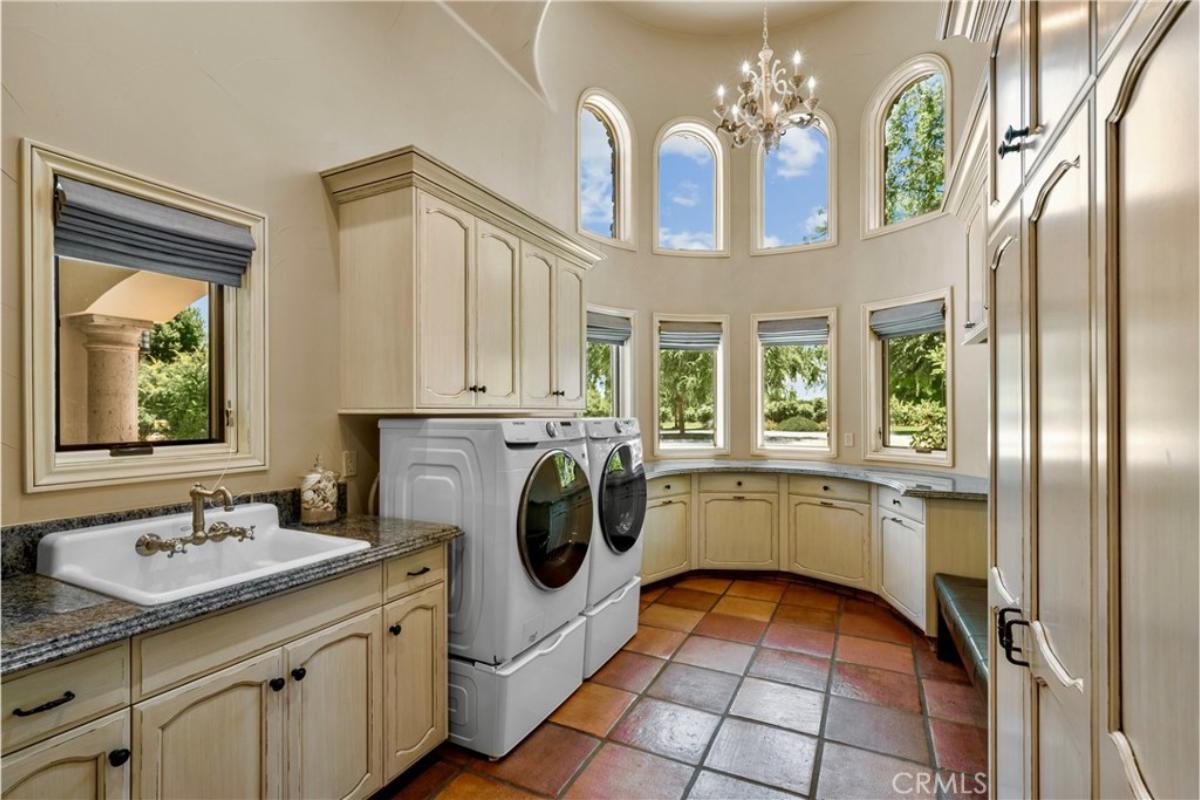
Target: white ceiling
[{"x": 715, "y": 17}]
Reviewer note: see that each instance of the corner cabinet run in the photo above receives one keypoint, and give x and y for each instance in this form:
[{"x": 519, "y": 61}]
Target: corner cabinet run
[
  {"x": 329, "y": 691},
  {"x": 847, "y": 532},
  {"x": 453, "y": 299}
]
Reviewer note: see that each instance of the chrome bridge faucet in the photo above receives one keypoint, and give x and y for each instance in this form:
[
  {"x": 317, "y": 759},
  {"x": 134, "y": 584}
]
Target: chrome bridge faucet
[{"x": 150, "y": 543}]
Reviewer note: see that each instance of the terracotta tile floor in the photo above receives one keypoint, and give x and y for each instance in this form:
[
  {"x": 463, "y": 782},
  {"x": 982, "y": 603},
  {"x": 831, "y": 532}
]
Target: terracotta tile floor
[{"x": 744, "y": 686}]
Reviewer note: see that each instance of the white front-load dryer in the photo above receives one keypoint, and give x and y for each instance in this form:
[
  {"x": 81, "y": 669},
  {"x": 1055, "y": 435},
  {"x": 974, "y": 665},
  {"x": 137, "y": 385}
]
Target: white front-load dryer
[
  {"x": 520, "y": 491},
  {"x": 619, "y": 486}
]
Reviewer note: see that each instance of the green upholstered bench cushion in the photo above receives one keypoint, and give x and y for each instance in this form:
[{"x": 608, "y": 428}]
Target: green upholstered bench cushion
[{"x": 964, "y": 609}]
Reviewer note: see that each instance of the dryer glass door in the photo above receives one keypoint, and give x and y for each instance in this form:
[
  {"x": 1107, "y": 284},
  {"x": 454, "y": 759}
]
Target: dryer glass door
[
  {"x": 554, "y": 525},
  {"x": 622, "y": 498}
]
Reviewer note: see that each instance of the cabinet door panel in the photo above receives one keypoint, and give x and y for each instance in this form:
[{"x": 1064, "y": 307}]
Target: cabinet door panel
[
  {"x": 537, "y": 328},
  {"x": 829, "y": 540},
  {"x": 496, "y": 331},
  {"x": 445, "y": 251},
  {"x": 1007, "y": 111},
  {"x": 570, "y": 316},
  {"x": 739, "y": 530},
  {"x": 1060, "y": 59},
  {"x": 414, "y": 679},
  {"x": 902, "y": 565},
  {"x": 666, "y": 533},
  {"x": 333, "y": 710},
  {"x": 218, "y": 737},
  {"x": 71, "y": 765}
]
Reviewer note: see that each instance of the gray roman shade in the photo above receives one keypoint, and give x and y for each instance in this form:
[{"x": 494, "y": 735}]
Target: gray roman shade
[
  {"x": 925, "y": 317},
  {"x": 608, "y": 328},
  {"x": 806, "y": 330},
  {"x": 96, "y": 224},
  {"x": 681, "y": 335}
]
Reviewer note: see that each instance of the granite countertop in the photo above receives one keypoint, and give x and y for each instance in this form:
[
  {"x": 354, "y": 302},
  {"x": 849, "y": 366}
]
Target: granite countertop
[
  {"x": 930, "y": 485},
  {"x": 44, "y": 619}
]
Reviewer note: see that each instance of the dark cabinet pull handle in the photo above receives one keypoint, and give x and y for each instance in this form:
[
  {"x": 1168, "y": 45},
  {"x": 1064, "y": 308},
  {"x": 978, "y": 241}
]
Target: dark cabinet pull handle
[
  {"x": 412, "y": 573},
  {"x": 118, "y": 757},
  {"x": 1007, "y": 148},
  {"x": 896, "y": 501},
  {"x": 67, "y": 697},
  {"x": 276, "y": 684},
  {"x": 739, "y": 497},
  {"x": 298, "y": 673},
  {"x": 1015, "y": 133},
  {"x": 1004, "y": 635},
  {"x": 394, "y": 630},
  {"x": 826, "y": 503}
]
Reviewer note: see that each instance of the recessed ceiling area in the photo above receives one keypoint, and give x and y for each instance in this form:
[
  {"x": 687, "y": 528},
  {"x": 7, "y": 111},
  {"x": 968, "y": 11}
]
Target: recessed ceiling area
[{"x": 717, "y": 18}]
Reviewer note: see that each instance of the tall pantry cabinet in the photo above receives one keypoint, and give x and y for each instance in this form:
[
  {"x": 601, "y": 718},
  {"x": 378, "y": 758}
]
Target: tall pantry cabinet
[
  {"x": 1090, "y": 125},
  {"x": 453, "y": 300}
]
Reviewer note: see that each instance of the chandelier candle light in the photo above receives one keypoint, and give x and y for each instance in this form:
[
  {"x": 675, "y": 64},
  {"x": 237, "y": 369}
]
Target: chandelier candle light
[{"x": 769, "y": 103}]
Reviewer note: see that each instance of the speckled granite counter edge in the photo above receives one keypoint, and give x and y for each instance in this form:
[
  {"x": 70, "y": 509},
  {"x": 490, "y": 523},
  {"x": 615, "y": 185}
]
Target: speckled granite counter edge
[
  {"x": 143, "y": 619},
  {"x": 882, "y": 477}
]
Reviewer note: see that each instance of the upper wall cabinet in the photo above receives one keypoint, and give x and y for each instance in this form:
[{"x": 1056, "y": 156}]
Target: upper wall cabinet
[{"x": 452, "y": 298}]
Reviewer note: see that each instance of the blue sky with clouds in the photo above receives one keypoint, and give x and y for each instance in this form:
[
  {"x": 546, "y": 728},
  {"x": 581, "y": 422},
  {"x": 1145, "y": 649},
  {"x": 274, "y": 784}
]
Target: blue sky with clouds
[
  {"x": 595, "y": 176},
  {"x": 796, "y": 188},
  {"x": 686, "y": 182}
]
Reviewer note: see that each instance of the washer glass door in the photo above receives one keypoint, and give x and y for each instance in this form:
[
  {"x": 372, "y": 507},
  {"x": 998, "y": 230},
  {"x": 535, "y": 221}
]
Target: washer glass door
[
  {"x": 554, "y": 524},
  {"x": 622, "y": 498}
]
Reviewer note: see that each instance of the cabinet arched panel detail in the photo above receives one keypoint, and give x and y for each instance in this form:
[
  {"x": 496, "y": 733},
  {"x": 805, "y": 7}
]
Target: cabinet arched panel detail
[
  {"x": 739, "y": 531},
  {"x": 537, "y": 329},
  {"x": 415, "y": 679},
  {"x": 445, "y": 252},
  {"x": 73, "y": 764},
  {"x": 830, "y": 540}
]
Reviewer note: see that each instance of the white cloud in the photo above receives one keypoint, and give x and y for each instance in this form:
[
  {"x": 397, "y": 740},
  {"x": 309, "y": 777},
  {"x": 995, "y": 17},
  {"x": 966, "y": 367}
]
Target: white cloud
[
  {"x": 799, "y": 149},
  {"x": 686, "y": 194},
  {"x": 684, "y": 240},
  {"x": 770, "y": 240},
  {"x": 595, "y": 174},
  {"x": 688, "y": 146},
  {"x": 816, "y": 220}
]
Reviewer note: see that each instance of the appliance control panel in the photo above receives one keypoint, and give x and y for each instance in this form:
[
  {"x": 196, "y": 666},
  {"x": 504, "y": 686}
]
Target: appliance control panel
[
  {"x": 610, "y": 427},
  {"x": 535, "y": 431}
]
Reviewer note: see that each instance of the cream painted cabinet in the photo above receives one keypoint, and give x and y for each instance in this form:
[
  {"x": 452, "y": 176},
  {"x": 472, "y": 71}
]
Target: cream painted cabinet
[
  {"x": 90, "y": 762},
  {"x": 452, "y": 299},
  {"x": 1007, "y": 105},
  {"x": 333, "y": 711},
  {"x": 739, "y": 531},
  {"x": 1059, "y": 62},
  {"x": 220, "y": 736},
  {"x": 902, "y": 565},
  {"x": 415, "y": 676},
  {"x": 830, "y": 539},
  {"x": 666, "y": 537},
  {"x": 497, "y": 375}
]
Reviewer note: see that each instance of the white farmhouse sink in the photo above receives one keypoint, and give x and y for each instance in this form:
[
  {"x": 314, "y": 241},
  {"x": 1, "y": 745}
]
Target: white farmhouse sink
[{"x": 103, "y": 558}]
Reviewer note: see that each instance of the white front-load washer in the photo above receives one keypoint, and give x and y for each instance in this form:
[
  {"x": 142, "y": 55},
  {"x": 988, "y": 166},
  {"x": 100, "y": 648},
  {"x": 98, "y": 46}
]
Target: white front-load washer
[
  {"x": 520, "y": 491},
  {"x": 619, "y": 485}
]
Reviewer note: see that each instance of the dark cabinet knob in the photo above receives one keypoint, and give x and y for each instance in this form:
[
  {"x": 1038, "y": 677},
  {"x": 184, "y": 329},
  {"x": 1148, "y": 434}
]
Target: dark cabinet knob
[
  {"x": 739, "y": 483},
  {"x": 276, "y": 684},
  {"x": 1015, "y": 133},
  {"x": 472, "y": 388},
  {"x": 896, "y": 501},
  {"x": 824, "y": 488},
  {"x": 118, "y": 757},
  {"x": 483, "y": 389},
  {"x": 1006, "y": 148},
  {"x": 298, "y": 673},
  {"x": 394, "y": 630}
]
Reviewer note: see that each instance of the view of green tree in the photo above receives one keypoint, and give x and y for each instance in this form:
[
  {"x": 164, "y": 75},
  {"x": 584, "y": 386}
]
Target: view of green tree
[
  {"x": 173, "y": 380},
  {"x": 915, "y": 144},
  {"x": 785, "y": 368},
  {"x": 601, "y": 386},
  {"x": 687, "y": 391},
  {"x": 917, "y": 390}
]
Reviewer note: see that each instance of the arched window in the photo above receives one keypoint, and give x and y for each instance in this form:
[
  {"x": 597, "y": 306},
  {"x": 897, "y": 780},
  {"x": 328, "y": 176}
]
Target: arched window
[
  {"x": 689, "y": 189},
  {"x": 906, "y": 145},
  {"x": 795, "y": 191},
  {"x": 605, "y": 161}
]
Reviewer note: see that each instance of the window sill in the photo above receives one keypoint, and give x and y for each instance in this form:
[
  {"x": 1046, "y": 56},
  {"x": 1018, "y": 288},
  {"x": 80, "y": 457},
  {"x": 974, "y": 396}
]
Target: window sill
[
  {"x": 664, "y": 453},
  {"x": 896, "y": 227},
  {"x": 795, "y": 453},
  {"x": 795, "y": 248},
  {"x": 78, "y": 470},
  {"x": 620, "y": 244},
  {"x": 658, "y": 251},
  {"x": 910, "y": 457}
]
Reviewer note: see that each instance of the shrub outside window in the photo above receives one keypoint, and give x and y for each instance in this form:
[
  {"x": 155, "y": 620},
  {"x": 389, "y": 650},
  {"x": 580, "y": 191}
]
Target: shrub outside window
[
  {"x": 794, "y": 398},
  {"x": 909, "y": 372},
  {"x": 690, "y": 388}
]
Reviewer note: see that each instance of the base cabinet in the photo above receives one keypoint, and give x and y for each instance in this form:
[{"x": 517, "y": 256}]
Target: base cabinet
[
  {"x": 415, "y": 681},
  {"x": 830, "y": 540},
  {"x": 902, "y": 565},
  {"x": 91, "y": 761},
  {"x": 739, "y": 531},
  {"x": 666, "y": 534}
]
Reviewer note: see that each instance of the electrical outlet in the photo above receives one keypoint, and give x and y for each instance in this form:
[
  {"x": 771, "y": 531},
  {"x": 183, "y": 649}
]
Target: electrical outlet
[
  {"x": 349, "y": 463},
  {"x": 848, "y": 440}
]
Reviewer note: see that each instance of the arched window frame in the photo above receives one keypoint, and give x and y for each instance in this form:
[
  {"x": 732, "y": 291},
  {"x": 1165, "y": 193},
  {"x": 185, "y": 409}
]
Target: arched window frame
[
  {"x": 874, "y": 118},
  {"x": 705, "y": 132},
  {"x": 757, "y": 192},
  {"x": 610, "y": 110}
]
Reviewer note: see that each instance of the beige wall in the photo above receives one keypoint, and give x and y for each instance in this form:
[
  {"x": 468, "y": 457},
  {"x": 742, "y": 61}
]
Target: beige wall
[{"x": 247, "y": 102}]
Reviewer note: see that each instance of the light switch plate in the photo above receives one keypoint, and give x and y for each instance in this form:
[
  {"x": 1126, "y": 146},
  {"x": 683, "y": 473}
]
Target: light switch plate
[
  {"x": 847, "y": 440},
  {"x": 349, "y": 463}
]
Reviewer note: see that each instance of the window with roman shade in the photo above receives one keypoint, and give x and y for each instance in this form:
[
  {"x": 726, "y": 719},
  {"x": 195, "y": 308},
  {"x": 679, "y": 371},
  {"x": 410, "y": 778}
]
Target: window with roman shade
[
  {"x": 794, "y": 390},
  {"x": 608, "y": 328},
  {"x": 608, "y": 369},
  {"x": 690, "y": 396},
  {"x": 909, "y": 320}
]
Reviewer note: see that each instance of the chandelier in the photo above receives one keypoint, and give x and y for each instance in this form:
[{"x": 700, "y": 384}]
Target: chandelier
[{"x": 769, "y": 102}]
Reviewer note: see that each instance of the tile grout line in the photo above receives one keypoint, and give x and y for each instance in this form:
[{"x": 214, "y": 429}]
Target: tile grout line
[{"x": 819, "y": 753}]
